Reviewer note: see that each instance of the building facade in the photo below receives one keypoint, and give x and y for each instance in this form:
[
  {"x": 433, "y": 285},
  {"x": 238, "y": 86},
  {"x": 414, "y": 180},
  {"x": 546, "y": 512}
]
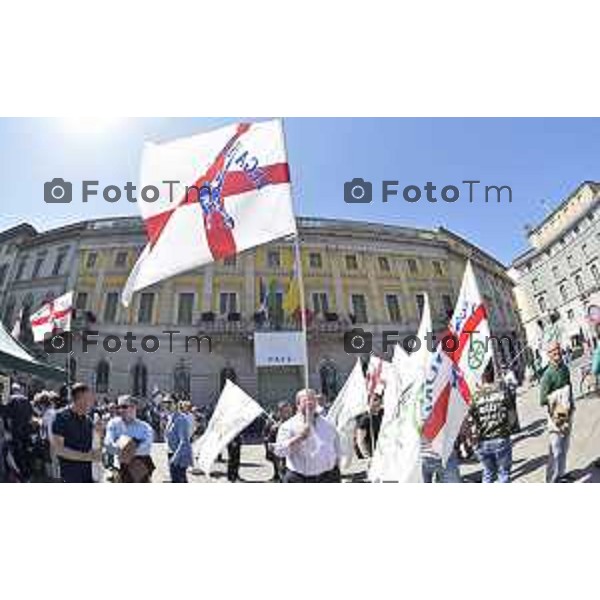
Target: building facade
[
  {"x": 558, "y": 278},
  {"x": 356, "y": 275}
]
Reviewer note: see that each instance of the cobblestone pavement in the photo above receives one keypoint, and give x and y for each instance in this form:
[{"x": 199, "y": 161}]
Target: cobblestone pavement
[{"x": 529, "y": 450}]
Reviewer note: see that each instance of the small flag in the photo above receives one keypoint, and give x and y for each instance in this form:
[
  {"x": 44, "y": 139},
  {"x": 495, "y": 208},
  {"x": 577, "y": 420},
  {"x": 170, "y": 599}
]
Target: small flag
[
  {"x": 16, "y": 330},
  {"x": 53, "y": 317}
]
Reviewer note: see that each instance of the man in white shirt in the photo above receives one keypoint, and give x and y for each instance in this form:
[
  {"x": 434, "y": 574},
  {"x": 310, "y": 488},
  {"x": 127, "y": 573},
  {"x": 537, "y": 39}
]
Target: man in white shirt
[{"x": 309, "y": 443}]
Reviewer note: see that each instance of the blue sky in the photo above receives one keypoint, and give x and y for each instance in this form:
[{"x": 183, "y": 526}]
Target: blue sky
[{"x": 541, "y": 159}]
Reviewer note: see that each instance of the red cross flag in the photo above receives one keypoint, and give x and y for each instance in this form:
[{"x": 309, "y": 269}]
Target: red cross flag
[
  {"x": 457, "y": 371},
  {"x": 54, "y": 316},
  {"x": 210, "y": 196}
]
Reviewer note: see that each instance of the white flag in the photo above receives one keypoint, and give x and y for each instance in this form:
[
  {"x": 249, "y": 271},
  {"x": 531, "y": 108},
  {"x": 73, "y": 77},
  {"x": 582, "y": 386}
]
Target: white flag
[
  {"x": 54, "y": 316},
  {"x": 16, "y": 330},
  {"x": 397, "y": 456},
  {"x": 218, "y": 193},
  {"x": 455, "y": 375},
  {"x": 351, "y": 401},
  {"x": 235, "y": 410}
]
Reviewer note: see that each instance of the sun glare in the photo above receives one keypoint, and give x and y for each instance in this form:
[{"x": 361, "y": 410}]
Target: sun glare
[{"x": 90, "y": 125}]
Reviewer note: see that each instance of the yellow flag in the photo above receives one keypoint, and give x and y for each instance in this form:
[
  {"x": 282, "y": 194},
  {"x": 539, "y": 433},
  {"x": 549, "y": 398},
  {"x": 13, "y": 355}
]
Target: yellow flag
[{"x": 291, "y": 302}]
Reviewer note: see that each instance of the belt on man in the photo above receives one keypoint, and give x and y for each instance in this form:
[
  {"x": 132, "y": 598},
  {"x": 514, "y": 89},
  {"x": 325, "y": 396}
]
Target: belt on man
[{"x": 314, "y": 478}]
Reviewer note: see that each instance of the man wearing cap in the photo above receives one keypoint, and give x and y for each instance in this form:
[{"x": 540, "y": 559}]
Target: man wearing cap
[
  {"x": 124, "y": 430},
  {"x": 309, "y": 443}
]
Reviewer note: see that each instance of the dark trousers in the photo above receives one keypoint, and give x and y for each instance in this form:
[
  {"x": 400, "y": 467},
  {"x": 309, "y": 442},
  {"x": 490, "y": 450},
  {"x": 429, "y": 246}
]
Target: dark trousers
[
  {"x": 513, "y": 415},
  {"x": 178, "y": 474},
  {"x": 22, "y": 457},
  {"x": 278, "y": 464},
  {"x": 332, "y": 476},
  {"x": 234, "y": 452}
]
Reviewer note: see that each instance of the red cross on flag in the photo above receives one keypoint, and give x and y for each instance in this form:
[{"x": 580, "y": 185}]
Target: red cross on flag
[
  {"x": 54, "y": 316},
  {"x": 454, "y": 376},
  {"x": 218, "y": 193},
  {"x": 378, "y": 373}
]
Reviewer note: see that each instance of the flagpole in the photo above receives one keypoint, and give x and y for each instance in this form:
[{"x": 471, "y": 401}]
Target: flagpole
[
  {"x": 298, "y": 259},
  {"x": 68, "y": 370}
]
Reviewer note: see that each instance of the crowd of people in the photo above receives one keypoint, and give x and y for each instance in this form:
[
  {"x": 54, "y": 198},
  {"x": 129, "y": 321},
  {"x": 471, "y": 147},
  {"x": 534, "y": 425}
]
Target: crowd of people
[{"x": 72, "y": 436}]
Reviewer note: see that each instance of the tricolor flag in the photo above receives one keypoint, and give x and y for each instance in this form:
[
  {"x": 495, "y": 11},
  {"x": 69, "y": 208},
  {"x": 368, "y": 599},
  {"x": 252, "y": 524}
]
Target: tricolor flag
[
  {"x": 219, "y": 193},
  {"x": 455, "y": 374},
  {"x": 53, "y": 317}
]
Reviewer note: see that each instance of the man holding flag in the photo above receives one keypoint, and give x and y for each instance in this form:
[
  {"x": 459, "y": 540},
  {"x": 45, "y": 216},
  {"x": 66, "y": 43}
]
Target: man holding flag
[{"x": 309, "y": 443}]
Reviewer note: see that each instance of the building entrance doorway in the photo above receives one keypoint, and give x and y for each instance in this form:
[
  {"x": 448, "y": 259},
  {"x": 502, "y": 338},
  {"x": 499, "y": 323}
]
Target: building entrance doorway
[{"x": 278, "y": 384}]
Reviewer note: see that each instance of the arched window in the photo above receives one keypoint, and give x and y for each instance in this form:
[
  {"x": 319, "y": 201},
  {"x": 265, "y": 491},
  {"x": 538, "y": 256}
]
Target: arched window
[
  {"x": 28, "y": 301},
  {"x": 139, "y": 380},
  {"x": 182, "y": 380},
  {"x": 72, "y": 370},
  {"x": 329, "y": 380},
  {"x": 102, "y": 377},
  {"x": 227, "y": 373}
]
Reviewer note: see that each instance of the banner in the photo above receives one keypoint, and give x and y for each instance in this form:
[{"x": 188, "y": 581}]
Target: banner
[{"x": 278, "y": 348}]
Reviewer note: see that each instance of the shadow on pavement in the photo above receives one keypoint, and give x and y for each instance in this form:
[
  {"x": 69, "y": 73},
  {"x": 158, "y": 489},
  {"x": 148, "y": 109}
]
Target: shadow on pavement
[
  {"x": 528, "y": 466},
  {"x": 533, "y": 429},
  {"x": 587, "y": 474}
]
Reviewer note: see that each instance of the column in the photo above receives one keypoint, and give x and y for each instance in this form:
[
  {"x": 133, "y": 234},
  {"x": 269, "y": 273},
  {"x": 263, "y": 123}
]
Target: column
[
  {"x": 377, "y": 309},
  {"x": 249, "y": 286},
  {"x": 340, "y": 303},
  {"x": 207, "y": 292}
]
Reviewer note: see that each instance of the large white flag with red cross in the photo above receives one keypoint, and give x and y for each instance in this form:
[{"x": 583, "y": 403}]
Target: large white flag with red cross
[
  {"x": 54, "y": 316},
  {"x": 217, "y": 194},
  {"x": 457, "y": 368}
]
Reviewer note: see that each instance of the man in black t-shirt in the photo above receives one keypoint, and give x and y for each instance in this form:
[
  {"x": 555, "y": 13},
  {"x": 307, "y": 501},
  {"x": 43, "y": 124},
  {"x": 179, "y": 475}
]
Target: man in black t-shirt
[
  {"x": 72, "y": 434},
  {"x": 490, "y": 418},
  {"x": 368, "y": 425}
]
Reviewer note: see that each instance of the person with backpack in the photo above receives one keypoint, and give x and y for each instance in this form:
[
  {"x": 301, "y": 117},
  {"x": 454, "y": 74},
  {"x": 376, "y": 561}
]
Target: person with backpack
[{"x": 557, "y": 396}]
